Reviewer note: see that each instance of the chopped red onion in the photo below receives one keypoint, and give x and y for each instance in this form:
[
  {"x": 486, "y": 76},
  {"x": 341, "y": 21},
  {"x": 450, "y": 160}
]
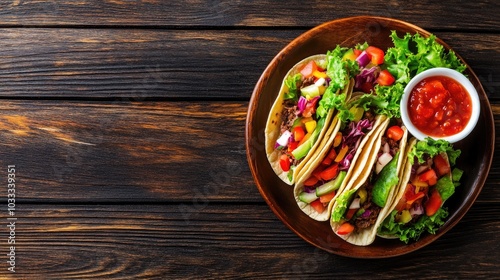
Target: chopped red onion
[
  {"x": 363, "y": 59},
  {"x": 301, "y": 105},
  {"x": 366, "y": 214},
  {"x": 417, "y": 210}
]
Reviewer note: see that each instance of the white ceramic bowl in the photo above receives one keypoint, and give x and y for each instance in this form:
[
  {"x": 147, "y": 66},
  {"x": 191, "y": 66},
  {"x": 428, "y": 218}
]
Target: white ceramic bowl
[{"x": 455, "y": 75}]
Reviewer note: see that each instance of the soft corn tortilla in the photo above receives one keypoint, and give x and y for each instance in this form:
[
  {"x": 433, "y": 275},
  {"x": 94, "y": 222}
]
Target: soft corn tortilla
[
  {"x": 273, "y": 127},
  {"x": 363, "y": 170},
  {"x": 405, "y": 177},
  {"x": 360, "y": 155}
]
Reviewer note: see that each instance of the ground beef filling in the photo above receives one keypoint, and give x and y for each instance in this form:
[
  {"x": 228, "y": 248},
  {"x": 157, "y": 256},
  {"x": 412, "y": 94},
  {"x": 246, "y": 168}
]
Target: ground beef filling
[
  {"x": 288, "y": 115},
  {"x": 366, "y": 221}
]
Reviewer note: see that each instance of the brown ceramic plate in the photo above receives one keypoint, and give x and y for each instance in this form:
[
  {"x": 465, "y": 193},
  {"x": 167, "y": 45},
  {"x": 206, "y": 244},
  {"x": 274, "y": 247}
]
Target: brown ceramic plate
[{"x": 279, "y": 196}]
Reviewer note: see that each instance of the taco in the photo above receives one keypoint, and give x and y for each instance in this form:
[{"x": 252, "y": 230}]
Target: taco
[
  {"x": 428, "y": 180},
  {"x": 327, "y": 174},
  {"x": 298, "y": 121},
  {"x": 365, "y": 201}
]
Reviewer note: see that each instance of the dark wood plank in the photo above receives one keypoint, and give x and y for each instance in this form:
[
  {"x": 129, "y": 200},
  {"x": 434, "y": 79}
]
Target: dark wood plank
[
  {"x": 102, "y": 152},
  {"x": 224, "y": 242},
  {"x": 185, "y": 64},
  {"x": 245, "y": 13},
  {"x": 119, "y": 151}
]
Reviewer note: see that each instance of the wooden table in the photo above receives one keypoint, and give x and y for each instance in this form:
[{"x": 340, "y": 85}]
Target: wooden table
[{"x": 125, "y": 123}]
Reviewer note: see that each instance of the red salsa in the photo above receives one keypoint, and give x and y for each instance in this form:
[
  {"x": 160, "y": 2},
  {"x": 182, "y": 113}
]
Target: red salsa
[{"x": 439, "y": 106}]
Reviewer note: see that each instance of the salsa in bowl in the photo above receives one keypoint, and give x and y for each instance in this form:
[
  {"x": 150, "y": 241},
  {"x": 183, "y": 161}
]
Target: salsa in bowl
[{"x": 440, "y": 103}]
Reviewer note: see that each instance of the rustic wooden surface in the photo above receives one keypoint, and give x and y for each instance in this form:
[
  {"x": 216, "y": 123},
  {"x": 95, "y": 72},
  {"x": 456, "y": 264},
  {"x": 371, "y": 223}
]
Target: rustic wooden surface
[{"x": 125, "y": 120}]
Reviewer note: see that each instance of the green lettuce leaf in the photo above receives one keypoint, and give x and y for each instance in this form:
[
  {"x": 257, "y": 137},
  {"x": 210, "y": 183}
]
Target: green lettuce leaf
[
  {"x": 293, "y": 91},
  {"x": 385, "y": 101},
  {"x": 407, "y": 233},
  {"x": 339, "y": 71},
  {"x": 414, "y": 54},
  {"x": 343, "y": 201},
  {"x": 445, "y": 187},
  {"x": 433, "y": 147}
]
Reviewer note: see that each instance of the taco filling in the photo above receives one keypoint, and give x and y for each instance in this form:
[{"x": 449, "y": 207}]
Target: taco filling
[
  {"x": 300, "y": 126},
  {"x": 430, "y": 181},
  {"x": 321, "y": 186},
  {"x": 359, "y": 208}
]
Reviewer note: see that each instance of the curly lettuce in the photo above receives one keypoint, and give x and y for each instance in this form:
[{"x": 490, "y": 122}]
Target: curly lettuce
[
  {"x": 432, "y": 147},
  {"x": 413, "y": 54},
  {"x": 339, "y": 71},
  {"x": 405, "y": 233},
  {"x": 293, "y": 90}
]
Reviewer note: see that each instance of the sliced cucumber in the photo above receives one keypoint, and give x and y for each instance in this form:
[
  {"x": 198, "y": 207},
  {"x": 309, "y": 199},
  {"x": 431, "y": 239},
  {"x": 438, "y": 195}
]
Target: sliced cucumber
[
  {"x": 307, "y": 197},
  {"x": 332, "y": 185},
  {"x": 310, "y": 90}
]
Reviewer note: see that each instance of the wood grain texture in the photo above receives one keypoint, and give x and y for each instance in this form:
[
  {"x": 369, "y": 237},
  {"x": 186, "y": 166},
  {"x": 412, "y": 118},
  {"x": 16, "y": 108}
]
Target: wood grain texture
[
  {"x": 182, "y": 64},
  {"x": 243, "y": 13},
  {"x": 222, "y": 241},
  {"x": 119, "y": 151},
  {"x": 102, "y": 152}
]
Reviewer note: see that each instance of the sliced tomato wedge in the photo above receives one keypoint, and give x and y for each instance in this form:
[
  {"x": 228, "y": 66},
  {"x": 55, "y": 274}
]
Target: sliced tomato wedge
[
  {"x": 385, "y": 78},
  {"x": 345, "y": 228},
  {"x": 317, "y": 173},
  {"x": 429, "y": 176},
  {"x": 350, "y": 213},
  {"x": 309, "y": 69},
  {"x": 318, "y": 206},
  {"x": 433, "y": 204},
  {"x": 326, "y": 198},
  {"x": 442, "y": 165},
  {"x": 284, "y": 163},
  {"x": 298, "y": 133},
  {"x": 395, "y": 133},
  {"x": 311, "y": 181},
  {"x": 330, "y": 172},
  {"x": 376, "y": 55}
]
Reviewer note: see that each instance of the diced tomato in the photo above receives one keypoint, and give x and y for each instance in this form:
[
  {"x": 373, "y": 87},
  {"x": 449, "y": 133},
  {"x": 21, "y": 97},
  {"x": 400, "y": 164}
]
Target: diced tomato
[
  {"x": 311, "y": 181},
  {"x": 284, "y": 163},
  {"x": 309, "y": 69},
  {"x": 366, "y": 87},
  {"x": 298, "y": 133},
  {"x": 342, "y": 153},
  {"x": 376, "y": 55},
  {"x": 442, "y": 165},
  {"x": 432, "y": 181},
  {"x": 350, "y": 213},
  {"x": 332, "y": 154},
  {"x": 413, "y": 197},
  {"x": 395, "y": 133},
  {"x": 330, "y": 172},
  {"x": 429, "y": 176},
  {"x": 345, "y": 228},
  {"x": 317, "y": 173},
  {"x": 433, "y": 203},
  {"x": 402, "y": 205},
  {"x": 357, "y": 52},
  {"x": 329, "y": 157},
  {"x": 318, "y": 206},
  {"x": 292, "y": 146},
  {"x": 385, "y": 78},
  {"x": 326, "y": 198},
  {"x": 327, "y": 161}
]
